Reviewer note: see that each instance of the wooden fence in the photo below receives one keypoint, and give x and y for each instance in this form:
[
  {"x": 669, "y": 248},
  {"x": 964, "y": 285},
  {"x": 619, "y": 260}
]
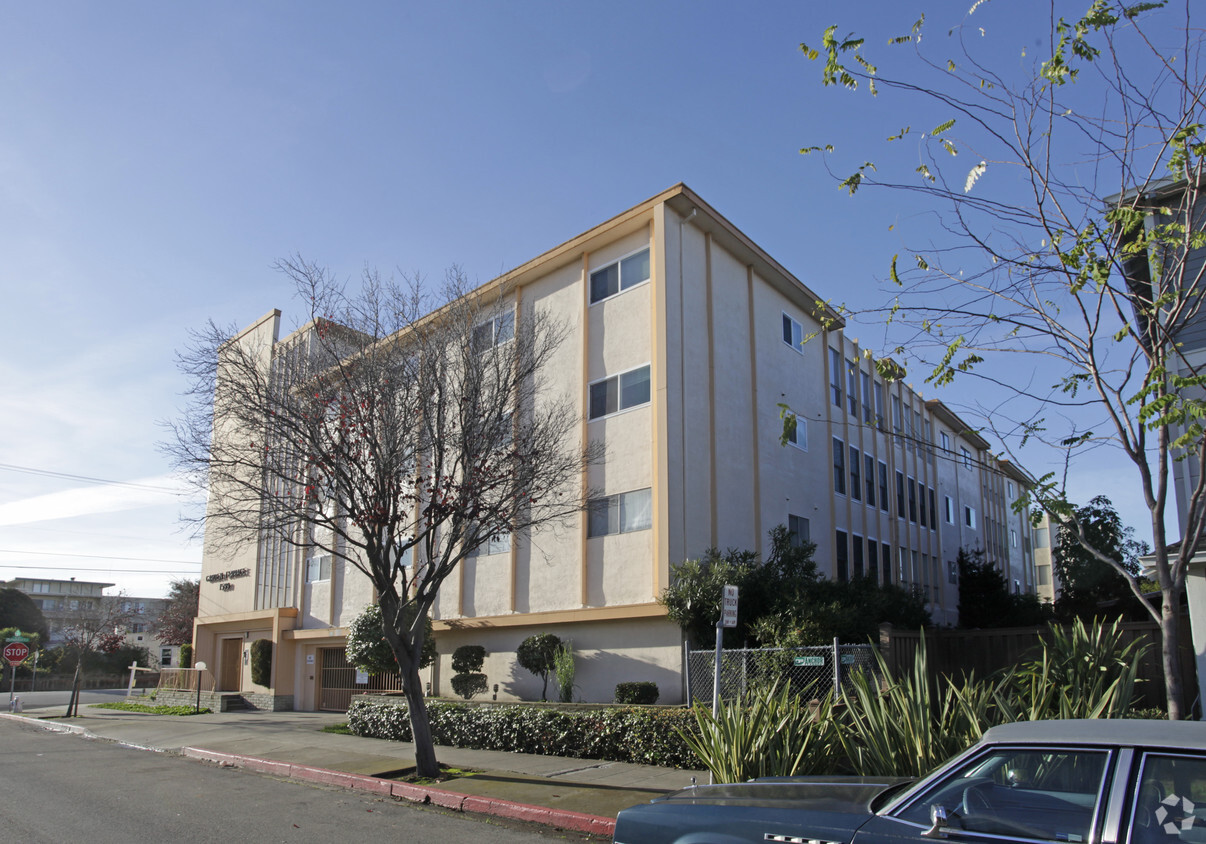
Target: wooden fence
[{"x": 957, "y": 653}]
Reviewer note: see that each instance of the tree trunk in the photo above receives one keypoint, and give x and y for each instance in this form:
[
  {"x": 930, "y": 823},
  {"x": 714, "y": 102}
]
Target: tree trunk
[
  {"x": 73, "y": 702},
  {"x": 1170, "y": 640},
  {"x": 426, "y": 764}
]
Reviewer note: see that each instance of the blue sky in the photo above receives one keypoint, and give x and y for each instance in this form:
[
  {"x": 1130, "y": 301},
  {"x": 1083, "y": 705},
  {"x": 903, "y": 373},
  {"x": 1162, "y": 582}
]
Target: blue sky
[{"x": 156, "y": 159}]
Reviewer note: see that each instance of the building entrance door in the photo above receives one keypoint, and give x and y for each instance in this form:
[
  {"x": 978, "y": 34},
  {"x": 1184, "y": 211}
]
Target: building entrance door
[{"x": 230, "y": 669}]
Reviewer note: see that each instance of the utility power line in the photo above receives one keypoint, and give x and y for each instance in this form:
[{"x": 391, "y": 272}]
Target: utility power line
[
  {"x": 67, "y": 476},
  {"x": 92, "y": 557}
]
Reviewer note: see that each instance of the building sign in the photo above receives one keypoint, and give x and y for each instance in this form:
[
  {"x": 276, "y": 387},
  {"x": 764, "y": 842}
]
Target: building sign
[{"x": 223, "y": 578}]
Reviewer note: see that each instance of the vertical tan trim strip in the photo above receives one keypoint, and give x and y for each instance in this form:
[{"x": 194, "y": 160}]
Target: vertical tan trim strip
[
  {"x": 660, "y": 427},
  {"x": 754, "y": 407},
  {"x": 584, "y": 520},
  {"x": 712, "y": 492}
]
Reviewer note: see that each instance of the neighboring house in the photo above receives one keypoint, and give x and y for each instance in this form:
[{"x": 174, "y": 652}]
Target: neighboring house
[
  {"x": 139, "y": 631},
  {"x": 701, "y": 336},
  {"x": 60, "y": 601}
]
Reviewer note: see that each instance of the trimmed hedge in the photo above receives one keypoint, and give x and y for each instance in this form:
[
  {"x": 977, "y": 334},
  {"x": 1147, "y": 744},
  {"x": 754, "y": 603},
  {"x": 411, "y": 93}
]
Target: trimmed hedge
[
  {"x": 640, "y": 692},
  {"x": 616, "y": 734}
]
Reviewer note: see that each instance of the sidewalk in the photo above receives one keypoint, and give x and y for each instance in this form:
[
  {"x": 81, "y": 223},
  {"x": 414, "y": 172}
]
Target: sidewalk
[{"x": 578, "y": 794}]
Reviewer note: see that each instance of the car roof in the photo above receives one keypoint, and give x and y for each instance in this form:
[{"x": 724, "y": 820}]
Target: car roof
[{"x": 1179, "y": 735}]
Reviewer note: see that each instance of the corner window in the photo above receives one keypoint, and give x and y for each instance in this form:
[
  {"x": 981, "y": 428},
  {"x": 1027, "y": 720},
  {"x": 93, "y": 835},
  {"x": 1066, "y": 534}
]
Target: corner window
[
  {"x": 619, "y": 392},
  {"x": 625, "y": 273},
  {"x": 494, "y": 332},
  {"x": 793, "y": 334},
  {"x": 623, "y": 513}
]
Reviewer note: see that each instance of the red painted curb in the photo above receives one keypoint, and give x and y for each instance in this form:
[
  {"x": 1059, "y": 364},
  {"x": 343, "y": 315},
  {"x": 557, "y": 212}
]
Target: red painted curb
[{"x": 562, "y": 819}]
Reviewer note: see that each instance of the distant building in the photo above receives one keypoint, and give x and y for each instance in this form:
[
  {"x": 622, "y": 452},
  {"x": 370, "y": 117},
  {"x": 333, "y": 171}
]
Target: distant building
[{"x": 60, "y": 600}]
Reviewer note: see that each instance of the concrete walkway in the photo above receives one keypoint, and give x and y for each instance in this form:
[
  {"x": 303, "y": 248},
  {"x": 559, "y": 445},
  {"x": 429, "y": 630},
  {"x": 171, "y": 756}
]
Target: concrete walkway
[{"x": 579, "y": 794}]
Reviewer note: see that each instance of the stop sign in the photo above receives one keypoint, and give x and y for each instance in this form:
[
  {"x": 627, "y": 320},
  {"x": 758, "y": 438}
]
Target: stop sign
[{"x": 16, "y": 652}]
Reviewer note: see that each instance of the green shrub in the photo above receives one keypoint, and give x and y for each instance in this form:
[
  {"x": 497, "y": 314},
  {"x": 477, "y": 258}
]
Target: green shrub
[
  {"x": 261, "y": 662},
  {"x": 468, "y": 659},
  {"x": 767, "y": 733},
  {"x": 186, "y": 656},
  {"x": 536, "y": 654},
  {"x": 644, "y": 692},
  {"x": 467, "y": 685},
  {"x": 368, "y": 650},
  {"x": 644, "y": 736},
  {"x": 563, "y": 665}
]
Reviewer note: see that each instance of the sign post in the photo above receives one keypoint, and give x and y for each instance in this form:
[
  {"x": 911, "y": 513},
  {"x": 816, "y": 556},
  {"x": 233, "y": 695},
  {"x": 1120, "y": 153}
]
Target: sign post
[{"x": 15, "y": 653}]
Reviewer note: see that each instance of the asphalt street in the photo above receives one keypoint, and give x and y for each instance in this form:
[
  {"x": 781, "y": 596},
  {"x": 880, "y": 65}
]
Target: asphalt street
[{"x": 58, "y": 787}]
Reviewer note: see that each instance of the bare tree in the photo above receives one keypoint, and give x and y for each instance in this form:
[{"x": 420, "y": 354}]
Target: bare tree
[
  {"x": 396, "y": 432},
  {"x": 1065, "y": 266},
  {"x": 174, "y": 625},
  {"x": 98, "y": 626}
]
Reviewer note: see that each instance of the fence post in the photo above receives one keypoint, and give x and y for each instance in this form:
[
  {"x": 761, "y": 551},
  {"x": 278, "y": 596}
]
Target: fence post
[
  {"x": 688, "y": 694},
  {"x": 133, "y": 673},
  {"x": 837, "y": 672}
]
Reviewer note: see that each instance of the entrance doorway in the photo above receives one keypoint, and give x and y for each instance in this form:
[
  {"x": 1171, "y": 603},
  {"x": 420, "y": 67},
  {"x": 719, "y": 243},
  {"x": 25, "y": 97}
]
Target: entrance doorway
[
  {"x": 230, "y": 665},
  {"x": 337, "y": 681}
]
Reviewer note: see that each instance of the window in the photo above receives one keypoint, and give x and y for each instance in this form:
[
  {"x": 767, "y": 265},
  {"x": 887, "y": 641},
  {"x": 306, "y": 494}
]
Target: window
[
  {"x": 1167, "y": 783},
  {"x": 887, "y": 558},
  {"x": 921, "y": 504},
  {"x": 494, "y": 332},
  {"x": 498, "y": 544},
  {"x": 967, "y": 460},
  {"x": 933, "y": 511},
  {"x": 912, "y": 501},
  {"x": 842, "y": 557},
  {"x": 852, "y": 387},
  {"x": 619, "y": 392},
  {"x": 858, "y": 555},
  {"x": 835, "y": 377},
  {"x": 623, "y": 274},
  {"x": 856, "y": 484},
  {"x": 1044, "y": 575},
  {"x": 904, "y": 567},
  {"x": 797, "y": 527},
  {"x": 869, "y": 466},
  {"x": 952, "y": 572},
  {"x": 793, "y": 334},
  {"x": 883, "y": 486},
  {"x": 873, "y": 560},
  {"x": 797, "y": 433},
  {"x": 969, "y": 516},
  {"x": 879, "y": 406},
  {"x": 1033, "y": 794},
  {"x": 1017, "y": 587},
  {"x": 1009, "y": 491},
  {"x": 1040, "y": 537},
  {"x": 897, "y": 415},
  {"x": 623, "y": 513},
  {"x": 950, "y": 509},
  {"x": 1013, "y": 537},
  {"x": 839, "y": 466},
  {"x": 867, "y": 409},
  {"x": 165, "y": 657},
  {"x": 900, "y": 498},
  {"x": 318, "y": 568},
  {"x": 945, "y": 439}
]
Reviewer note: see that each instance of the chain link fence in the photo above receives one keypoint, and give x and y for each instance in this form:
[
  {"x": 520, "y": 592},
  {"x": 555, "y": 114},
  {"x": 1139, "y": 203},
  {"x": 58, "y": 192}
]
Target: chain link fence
[{"x": 810, "y": 672}]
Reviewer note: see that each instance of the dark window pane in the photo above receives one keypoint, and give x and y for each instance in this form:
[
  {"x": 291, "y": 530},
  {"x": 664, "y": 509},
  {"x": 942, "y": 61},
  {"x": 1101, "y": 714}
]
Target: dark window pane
[
  {"x": 634, "y": 269},
  {"x": 602, "y": 398},
  {"x": 604, "y": 282}
]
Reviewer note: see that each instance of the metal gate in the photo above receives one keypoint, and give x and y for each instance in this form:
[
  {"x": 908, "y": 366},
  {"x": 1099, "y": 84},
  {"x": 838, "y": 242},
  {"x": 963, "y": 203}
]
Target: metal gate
[{"x": 337, "y": 681}]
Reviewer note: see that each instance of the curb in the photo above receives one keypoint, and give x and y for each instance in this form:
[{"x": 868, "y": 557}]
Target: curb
[{"x": 562, "y": 819}]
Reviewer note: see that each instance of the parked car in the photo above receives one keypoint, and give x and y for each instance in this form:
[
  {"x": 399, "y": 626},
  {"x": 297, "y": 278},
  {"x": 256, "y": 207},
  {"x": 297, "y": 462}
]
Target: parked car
[{"x": 1071, "y": 782}]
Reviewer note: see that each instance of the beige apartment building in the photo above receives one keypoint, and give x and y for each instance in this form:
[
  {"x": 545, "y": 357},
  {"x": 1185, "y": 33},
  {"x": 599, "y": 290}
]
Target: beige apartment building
[{"x": 687, "y": 340}]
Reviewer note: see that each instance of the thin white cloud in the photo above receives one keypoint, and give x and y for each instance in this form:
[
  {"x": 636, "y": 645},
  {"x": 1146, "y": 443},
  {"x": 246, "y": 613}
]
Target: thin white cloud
[{"x": 87, "y": 501}]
